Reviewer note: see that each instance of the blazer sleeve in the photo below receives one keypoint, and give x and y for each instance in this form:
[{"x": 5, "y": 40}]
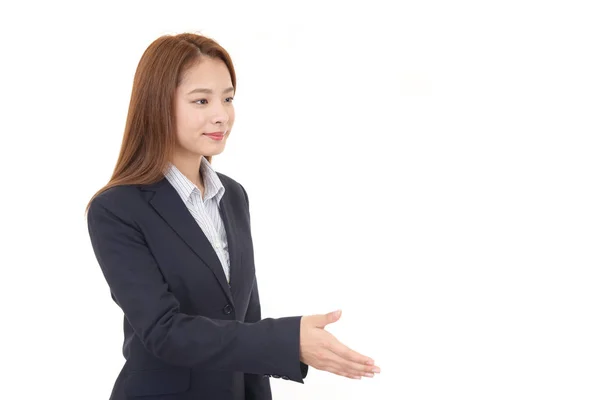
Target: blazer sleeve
[
  {"x": 257, "y": 387},
  {"x": 268, "y": 346}
]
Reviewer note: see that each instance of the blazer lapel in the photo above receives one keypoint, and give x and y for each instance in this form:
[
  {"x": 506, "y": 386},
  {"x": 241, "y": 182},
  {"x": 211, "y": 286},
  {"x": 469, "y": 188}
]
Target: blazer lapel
[
  {"x": 168, "y": 204},
  {"x": 228, "y": 218}
]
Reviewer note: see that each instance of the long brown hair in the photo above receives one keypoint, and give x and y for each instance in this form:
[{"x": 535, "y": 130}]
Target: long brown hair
[{"x": 149, "y": 135}]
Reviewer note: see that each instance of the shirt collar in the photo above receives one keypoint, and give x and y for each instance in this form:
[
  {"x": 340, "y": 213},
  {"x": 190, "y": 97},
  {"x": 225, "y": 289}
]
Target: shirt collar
[{"x": 184, "y": 187}]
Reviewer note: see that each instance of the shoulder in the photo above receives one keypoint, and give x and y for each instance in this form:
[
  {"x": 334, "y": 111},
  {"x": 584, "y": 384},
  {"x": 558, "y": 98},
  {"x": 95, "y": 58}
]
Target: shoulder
[
  {"x": 120, "y": 201},
  {"x": 227, "y": 181},
  {"x": 233, "y": 187},
  {"x": 118, "y": 195}
]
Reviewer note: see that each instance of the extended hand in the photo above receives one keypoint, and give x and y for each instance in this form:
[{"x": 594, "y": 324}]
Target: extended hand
[{"x": 321, "y": 350}]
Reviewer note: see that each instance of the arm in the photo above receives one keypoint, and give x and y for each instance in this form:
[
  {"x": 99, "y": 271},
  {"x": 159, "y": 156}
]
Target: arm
[
  {"x": 138, "y": 287},
  {"x": 258, "y": 386}
]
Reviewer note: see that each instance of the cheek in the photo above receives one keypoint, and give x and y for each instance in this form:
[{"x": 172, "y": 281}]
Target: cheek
[
  {"x": 190, "y": 122},
  {"x": 189, "y": 133}
]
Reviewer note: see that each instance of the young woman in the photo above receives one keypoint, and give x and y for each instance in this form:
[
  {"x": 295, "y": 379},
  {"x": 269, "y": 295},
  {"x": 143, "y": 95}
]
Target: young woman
[{"x": 173, "y": 239}]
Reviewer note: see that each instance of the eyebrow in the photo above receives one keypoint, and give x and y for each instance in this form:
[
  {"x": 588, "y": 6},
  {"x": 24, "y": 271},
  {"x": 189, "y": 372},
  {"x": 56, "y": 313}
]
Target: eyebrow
[{"x": 209, "y": 91}]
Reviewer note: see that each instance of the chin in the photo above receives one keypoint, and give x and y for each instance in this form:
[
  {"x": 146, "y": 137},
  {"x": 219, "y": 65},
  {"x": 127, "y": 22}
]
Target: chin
[{"x": 213, "y": 152}]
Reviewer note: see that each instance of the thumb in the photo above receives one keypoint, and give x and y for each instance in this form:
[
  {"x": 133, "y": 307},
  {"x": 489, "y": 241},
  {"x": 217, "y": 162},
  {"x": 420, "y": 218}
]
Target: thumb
[{"x": 329, "y": 318}]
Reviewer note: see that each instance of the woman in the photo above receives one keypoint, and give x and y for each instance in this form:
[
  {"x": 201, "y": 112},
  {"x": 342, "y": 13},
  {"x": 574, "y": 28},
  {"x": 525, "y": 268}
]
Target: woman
[{"x": 173, "y": 239}]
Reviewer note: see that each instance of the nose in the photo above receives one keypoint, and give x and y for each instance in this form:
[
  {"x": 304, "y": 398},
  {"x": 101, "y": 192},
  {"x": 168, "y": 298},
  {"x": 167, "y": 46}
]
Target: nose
[{"x": 220, "y": 115}]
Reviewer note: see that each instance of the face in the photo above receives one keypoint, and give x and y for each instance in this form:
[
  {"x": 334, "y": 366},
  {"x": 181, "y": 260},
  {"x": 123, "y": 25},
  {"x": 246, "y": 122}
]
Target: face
[{"x": 204, "y": 111}]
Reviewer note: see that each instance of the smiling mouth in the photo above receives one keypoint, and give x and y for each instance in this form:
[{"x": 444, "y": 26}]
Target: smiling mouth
[{"x": 215, "y": 135}]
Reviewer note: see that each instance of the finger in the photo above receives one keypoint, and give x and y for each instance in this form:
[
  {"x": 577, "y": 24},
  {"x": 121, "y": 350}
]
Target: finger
[
  {"x": 342, "y": 373},
  {"x": 328, "y": 318},
  {"x": 329, "y": 361},
  {"x": 348, "y": 354},
  {"x": 349, "y": 367}
]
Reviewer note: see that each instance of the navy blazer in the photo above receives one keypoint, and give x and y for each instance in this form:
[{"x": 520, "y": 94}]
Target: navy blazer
[{"x": 188, "y": 333}]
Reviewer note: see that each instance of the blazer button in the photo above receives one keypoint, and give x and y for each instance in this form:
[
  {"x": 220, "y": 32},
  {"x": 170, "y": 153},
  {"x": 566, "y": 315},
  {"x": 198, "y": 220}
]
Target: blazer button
[{"x": 228, "y": 309}]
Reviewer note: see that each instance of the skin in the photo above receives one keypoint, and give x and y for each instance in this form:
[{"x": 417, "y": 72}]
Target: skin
[{"x": 204, "y": 104}]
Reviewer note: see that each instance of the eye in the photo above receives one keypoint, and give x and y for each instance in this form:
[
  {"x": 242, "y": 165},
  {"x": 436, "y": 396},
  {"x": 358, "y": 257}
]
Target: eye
[
  {"x": 204, "y": 100},
  {"x": 229, "y": 99}
]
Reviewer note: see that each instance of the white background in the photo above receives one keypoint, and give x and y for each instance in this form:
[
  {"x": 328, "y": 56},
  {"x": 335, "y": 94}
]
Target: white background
[{"x": 429, "y": 167}]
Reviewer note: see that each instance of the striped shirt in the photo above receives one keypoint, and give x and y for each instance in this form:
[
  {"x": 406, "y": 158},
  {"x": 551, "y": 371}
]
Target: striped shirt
[{"x": 204, "y": 210}]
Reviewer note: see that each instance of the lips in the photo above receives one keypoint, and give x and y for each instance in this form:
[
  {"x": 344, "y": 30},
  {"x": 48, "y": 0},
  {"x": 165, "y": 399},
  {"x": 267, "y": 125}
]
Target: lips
[{"x": 215, "y": 135}]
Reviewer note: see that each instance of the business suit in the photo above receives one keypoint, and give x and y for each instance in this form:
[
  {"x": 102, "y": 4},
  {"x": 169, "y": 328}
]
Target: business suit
[{"x": 188, "y": 333}]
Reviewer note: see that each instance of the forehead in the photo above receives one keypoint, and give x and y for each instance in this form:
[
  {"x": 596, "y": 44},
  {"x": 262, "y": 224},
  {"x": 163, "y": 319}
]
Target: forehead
[{"x": 207, "y": 73}]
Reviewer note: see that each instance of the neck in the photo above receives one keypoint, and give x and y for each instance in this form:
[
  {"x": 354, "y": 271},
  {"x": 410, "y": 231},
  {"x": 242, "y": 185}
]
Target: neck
[{"x": 190, "y": 167}]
